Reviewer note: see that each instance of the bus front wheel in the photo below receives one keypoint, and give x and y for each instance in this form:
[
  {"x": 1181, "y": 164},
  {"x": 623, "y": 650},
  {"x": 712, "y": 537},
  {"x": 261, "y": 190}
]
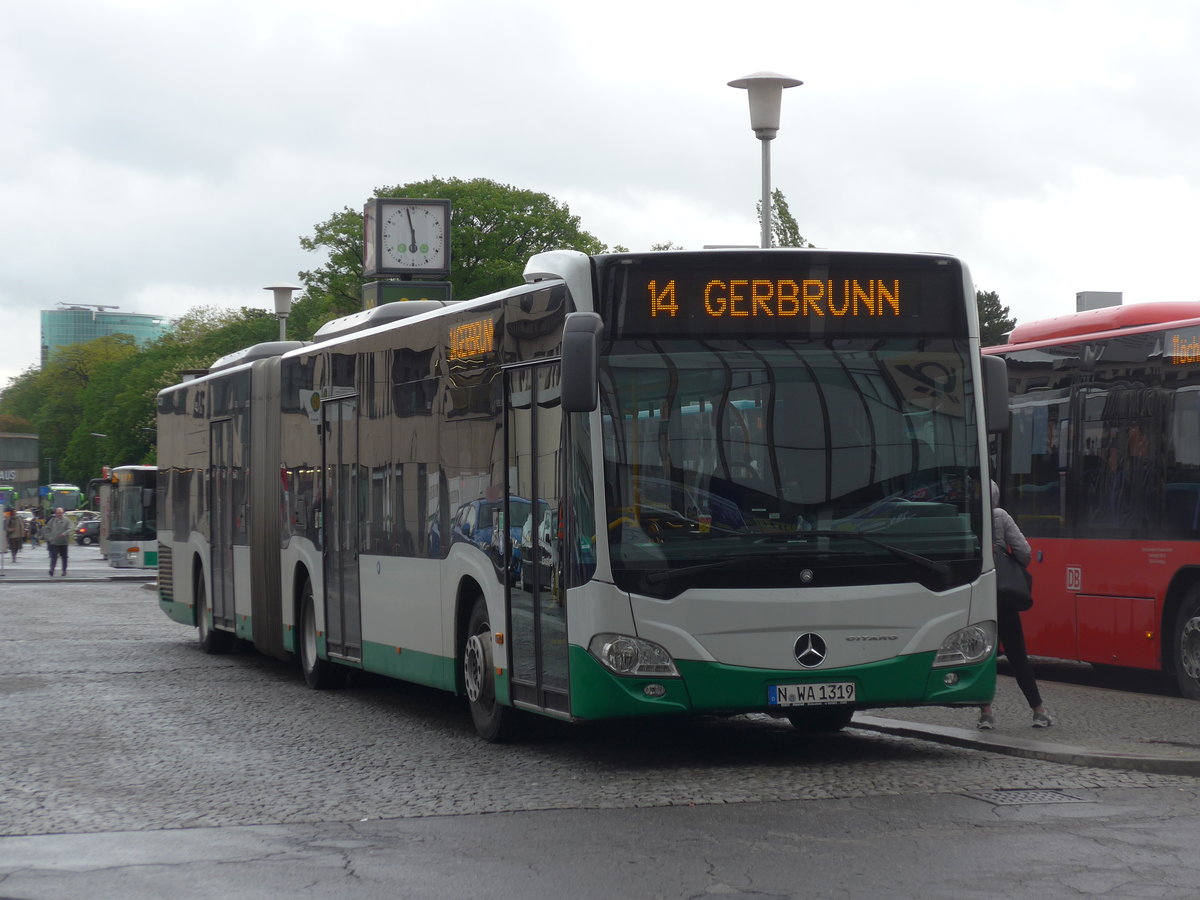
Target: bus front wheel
[
  {"x": 319, "y": 674},
  {"x": 1185, "y": 656},
  {"x": 493, "y": 720}
]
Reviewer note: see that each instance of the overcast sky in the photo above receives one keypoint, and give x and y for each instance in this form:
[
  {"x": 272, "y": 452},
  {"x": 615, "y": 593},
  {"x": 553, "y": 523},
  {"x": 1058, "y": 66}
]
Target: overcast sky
[{"x": 157, "y": 155}]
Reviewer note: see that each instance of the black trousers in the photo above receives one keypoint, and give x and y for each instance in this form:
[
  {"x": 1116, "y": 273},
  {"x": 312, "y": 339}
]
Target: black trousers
[
  {"x": 1012, "y": 641},
  {"x": 57, "y": 552}
]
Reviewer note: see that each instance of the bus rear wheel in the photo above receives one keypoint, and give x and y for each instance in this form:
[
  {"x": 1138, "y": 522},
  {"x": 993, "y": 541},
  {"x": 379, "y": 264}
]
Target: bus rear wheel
[
  {"x": 211, "y": 640},
  {"x": 1185, "y": 654},
  {"x": 822, "y": 720},
  {"x": 493, "y": 720},
  {"x": 319, "y": 674}
]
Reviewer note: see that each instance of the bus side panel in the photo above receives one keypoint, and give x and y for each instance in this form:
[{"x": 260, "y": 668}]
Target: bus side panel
[
  {"x": 402, "y": 619},
  {"x": 1101, "y": 601},
  {"x": 242, "y": 604}
]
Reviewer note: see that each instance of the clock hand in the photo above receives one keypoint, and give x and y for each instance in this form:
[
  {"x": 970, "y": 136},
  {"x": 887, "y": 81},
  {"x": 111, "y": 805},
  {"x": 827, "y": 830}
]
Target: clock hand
[{"x": 412, "y": 248}]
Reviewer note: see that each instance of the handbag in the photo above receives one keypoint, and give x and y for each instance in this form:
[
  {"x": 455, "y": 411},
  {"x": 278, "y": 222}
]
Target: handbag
[{"x": 1014, "y": 584}]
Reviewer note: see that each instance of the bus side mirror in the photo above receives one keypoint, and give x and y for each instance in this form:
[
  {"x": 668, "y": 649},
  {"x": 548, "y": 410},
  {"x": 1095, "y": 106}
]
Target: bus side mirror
[
  {"x": 995, "y": 394},
  {"x": 580, "y": 361}
]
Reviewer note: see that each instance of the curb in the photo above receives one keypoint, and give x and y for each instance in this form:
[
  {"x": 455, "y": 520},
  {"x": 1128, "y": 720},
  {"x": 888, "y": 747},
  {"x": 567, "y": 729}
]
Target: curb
[
  {"x": 71, "y": 579},
  {"x": 1030, "y": 749}
]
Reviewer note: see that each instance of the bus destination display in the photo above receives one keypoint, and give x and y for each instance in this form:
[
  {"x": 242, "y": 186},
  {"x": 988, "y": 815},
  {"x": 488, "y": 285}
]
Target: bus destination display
[
  {"x": 680, "y": 295},
  {"x": 783, "y": 298}
]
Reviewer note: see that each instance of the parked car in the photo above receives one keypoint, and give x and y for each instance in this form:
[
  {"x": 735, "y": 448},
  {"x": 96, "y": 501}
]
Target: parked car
[{"x": 87, "y": 532}]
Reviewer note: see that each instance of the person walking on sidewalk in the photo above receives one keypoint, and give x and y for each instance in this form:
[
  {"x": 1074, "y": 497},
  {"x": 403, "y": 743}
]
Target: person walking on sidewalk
[
  {"x": 1007, "y": 537},
  {"x": 58, "y": 535},
  {"x": 14, "y": 531}
]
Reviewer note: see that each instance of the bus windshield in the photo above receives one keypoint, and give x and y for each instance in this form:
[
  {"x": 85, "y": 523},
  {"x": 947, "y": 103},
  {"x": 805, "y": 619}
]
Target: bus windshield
[
  {"x": 850, "y": 460},
  {"x": 133, "y": 516}
]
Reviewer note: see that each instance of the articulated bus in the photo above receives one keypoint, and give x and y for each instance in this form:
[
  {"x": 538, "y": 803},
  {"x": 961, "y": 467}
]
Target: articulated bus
[
  {"x": 640, "y": 484},
  {"x": 129, "y": 518},
  {"x": 1102, "y": 472}
]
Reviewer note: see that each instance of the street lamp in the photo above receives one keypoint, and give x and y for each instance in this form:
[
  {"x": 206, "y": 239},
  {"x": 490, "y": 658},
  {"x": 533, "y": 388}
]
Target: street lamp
[
  {"x": 283, "y": 305},
  {"x": 765, "y": 90}
]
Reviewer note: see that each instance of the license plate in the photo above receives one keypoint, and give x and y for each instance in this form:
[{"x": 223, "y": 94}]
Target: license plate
[{"x": 820, "y": 694}]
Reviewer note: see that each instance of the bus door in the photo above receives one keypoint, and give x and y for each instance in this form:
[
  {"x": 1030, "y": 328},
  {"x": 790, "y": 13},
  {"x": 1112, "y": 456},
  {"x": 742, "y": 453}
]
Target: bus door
[
  {"x": 223, "y": 458},
  {"x": 537, "y": 613},
  {"x": 343, "y": 622}
]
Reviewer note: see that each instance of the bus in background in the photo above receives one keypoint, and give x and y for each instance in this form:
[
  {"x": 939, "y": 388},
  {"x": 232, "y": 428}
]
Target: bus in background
[
  {"x": 9, "y": 497},
  {"x": 97, "y": 499},
  {"x": 129, "y": 518},
  {"x": 53, "y": 496},
  {"x": 751, "y": 481},
  {"x": 1101, "y": 469}
]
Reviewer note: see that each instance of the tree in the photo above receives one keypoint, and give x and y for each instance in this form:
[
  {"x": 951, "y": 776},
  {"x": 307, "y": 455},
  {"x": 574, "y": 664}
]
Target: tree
[
  {"x": 785, "y": 232},
  {"x": 994, "y": 321},
  {"x": 495, "y": 228}
]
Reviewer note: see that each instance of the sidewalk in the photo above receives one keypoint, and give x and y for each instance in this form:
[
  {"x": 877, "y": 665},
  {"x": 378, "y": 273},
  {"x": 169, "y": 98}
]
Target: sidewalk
[
  {"x": 84, "y": 563},
  {"x": 1101, "y": 727}
]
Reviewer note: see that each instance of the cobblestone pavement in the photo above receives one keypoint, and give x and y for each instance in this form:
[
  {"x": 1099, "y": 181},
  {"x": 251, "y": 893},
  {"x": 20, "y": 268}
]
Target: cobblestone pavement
[{"x": 112, "y": 719}]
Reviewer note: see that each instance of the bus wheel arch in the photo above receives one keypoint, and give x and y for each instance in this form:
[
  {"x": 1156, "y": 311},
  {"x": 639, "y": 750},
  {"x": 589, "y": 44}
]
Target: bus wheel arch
[
  {"x": 211, "y": 639},
  {"x": 319, "y": 674},
  {"x": 1181, "y": 649},
  {"x": 494, "y": 721}
]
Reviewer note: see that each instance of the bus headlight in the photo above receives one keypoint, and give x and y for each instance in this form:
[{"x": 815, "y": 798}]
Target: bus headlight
[
  {"x": 967, "y": 645},
  {"x": 625, "y": 655}
]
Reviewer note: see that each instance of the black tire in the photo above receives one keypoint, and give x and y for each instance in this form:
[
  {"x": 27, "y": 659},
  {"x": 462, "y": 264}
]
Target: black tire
[
  {"x": 1184, "y": 653},
  {"x": 821, "y": 720},
  {"x": 319, "y": 674},
  {"x": 211, "y": 639},
  {"x": 495, "y": 722}
]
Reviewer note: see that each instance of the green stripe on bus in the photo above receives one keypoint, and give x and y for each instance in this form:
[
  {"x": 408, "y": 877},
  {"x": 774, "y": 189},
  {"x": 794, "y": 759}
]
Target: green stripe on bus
[
  {"x": 409, "y": 665},
  {"x": 179, "y": 612},
  {"x": 904, "y": 680}
]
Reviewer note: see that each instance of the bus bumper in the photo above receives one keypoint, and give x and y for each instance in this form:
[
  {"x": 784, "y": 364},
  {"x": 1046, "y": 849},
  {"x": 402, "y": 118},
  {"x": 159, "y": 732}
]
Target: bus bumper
[{"x": 708, "y": 687}]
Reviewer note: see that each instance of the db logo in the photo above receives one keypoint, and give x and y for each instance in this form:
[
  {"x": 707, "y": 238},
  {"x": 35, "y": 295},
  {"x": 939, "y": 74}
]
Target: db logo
[{"x": 1074, "y": 578}]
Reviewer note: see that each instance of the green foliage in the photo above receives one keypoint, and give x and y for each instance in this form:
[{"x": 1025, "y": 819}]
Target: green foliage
[
  {"x": 785, "y": 232},
  {"x": 94, "y": 404},
  {"x": 495, "y": 228},
  {"x": 994, "y": 320}
]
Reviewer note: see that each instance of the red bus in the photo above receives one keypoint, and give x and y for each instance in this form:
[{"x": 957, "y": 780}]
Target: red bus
[{"x": 1101, "y": 470}]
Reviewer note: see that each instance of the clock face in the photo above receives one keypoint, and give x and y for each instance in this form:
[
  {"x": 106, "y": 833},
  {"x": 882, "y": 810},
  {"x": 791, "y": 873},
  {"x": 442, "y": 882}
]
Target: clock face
[{"x": 413, "y": 237}]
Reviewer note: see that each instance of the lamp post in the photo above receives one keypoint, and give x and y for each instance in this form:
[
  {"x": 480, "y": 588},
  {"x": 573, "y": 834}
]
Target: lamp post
[
  {"x": 283, "y": 305},
  {"x": 765, "y": 90}
]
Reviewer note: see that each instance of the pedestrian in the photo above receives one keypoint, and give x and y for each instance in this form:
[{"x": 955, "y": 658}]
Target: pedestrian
[
  {"x": 14, "y": 531},
  {"x": 58, "y": 536},
  {"x": 1007, "y": 538}
]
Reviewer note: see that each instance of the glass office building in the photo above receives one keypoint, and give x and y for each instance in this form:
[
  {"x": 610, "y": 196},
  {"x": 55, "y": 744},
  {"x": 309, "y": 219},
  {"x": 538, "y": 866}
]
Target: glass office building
[{"x": 80, "y": 324}]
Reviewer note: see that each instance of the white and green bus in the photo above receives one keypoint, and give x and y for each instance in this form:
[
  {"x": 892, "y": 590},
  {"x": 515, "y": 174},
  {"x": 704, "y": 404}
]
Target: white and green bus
[
  {"x": 129, "y": 517},
  {"x": 730, "y": 481}
]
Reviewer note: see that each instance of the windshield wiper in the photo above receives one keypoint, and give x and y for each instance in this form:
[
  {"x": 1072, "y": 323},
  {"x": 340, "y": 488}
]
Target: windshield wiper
[{"x": 932, "y": 564}]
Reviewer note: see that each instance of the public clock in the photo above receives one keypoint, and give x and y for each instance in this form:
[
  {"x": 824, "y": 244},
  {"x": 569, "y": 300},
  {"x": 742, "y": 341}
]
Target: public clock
[{"x": 407, "y": 237}]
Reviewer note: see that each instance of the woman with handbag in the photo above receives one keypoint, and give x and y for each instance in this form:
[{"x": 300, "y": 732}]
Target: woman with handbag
[{"x": 1007, "y": 540}]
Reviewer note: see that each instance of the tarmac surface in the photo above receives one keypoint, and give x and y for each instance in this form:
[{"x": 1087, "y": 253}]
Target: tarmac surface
[{"x": 1104, "y": 725}]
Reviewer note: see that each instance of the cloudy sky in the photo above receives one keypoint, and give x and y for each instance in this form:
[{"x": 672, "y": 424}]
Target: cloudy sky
[{"x": 158, "y": 155}]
